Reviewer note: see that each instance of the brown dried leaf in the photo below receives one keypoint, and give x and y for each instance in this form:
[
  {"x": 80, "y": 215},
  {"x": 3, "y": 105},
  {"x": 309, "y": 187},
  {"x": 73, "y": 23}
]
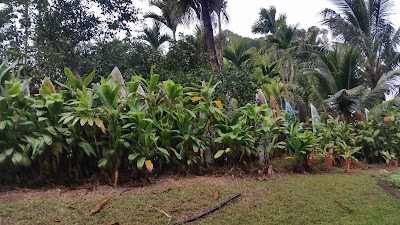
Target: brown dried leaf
[
  {"x": 216, "y": 195},
  {"x": 100, "y": 206}
]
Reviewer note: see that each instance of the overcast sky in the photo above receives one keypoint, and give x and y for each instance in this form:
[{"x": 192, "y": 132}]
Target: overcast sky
[{"x": 243, "y": 13}]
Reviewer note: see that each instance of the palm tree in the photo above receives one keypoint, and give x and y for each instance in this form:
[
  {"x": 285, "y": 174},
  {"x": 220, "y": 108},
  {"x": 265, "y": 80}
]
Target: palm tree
[
  {"x": 152, "y": 35},
  {"x": 267, "y": 22},
  {"x": 284, "y": 36},
  {"x": 365, "y": 24},
  {"x": 238, "y": 52},
  {"x": 337, "y": 81},
  {"x": 333, "y": 75},
  {"x": 284, "y": 41},
  {"x": 202, "y": 9},
  {"x": 169, "y": 17},
  {"x": 219, "y": 10}
]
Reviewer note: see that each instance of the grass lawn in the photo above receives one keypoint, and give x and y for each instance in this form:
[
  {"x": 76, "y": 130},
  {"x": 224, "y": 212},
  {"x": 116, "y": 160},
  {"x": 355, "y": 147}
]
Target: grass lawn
[{"x": 291, "y": 199}]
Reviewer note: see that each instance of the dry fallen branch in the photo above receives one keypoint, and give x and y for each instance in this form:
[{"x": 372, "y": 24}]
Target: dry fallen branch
[
  {"x": 126, "y": 190},
  {"x": 210, "y": 211},
  {"x": 161, "y": 211},
  {"x": 344, "y": 207},
  {"x": 100, "y": 206}
]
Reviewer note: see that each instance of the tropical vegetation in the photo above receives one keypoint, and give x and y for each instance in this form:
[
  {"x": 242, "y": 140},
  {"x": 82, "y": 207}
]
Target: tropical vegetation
[{"x": 181, "y": 103}]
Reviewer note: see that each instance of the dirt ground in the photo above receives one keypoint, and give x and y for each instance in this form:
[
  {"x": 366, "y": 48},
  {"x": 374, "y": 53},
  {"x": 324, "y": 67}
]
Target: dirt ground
[
  {"x": 93, "y": 192},
  {"x": 162, "y": 184}
]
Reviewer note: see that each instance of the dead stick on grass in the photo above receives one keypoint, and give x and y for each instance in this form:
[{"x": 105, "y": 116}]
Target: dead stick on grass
[
  {"x": 344, "y": 207},
  {"x": 161, "y": 211},
  {"x": 210, "y": 211},
  {"x": 100, "y": 206}
]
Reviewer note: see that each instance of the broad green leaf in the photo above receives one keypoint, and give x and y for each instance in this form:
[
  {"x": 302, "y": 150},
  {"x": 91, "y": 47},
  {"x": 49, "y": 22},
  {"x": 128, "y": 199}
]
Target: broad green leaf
[
  {"x": 51, "y": 130},
  {"x": 178, "y": 156},
  {"x": 153, "y": 82},
  {"x": 87, "y": 148},
  {"x": 48, "y": 139},
  {"x": 88, "y": 79},
  {"x": 40, "y": 119},
  {"x": 3, "y": 124},
  {"x": 91, "y": 121},
  {"x": 128, "y": 125},
  {"x": 67, "y": 119},
  {"x": 164, "y": 151},
  {"x": 83, "y": 121},
  {"x": 2, "y": 157},
  {"x": 72, "y": 81},
  {"x": 219, "y": 154},
  {"x": 9, "y": 151},
  {"x": 140, "y": 162},
  {"x": 102, "y": 163},
  {"x": 133, "y": 156},
  {"x": 16, "y": 158}
]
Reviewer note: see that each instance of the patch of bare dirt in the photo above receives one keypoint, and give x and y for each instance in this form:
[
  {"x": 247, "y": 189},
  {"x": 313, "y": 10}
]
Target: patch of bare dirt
[
  {"x": 388, "y": 189},
  {"x": 99, "y": 191}
]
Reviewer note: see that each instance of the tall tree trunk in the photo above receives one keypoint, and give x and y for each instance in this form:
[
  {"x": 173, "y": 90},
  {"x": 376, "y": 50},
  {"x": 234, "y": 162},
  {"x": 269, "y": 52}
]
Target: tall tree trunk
[
  {"x": 27, "y": 23},
  {"x": 208, "y": 33},
  {"x": 220, "y": 37}
]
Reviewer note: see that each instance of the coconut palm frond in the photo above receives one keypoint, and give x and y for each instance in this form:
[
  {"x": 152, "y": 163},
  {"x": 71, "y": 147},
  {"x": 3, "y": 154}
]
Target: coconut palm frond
[
  {"x": 377, "y": 95},
  {"x": 347, "y": 102},
  {"x": 380, "y": 10},
  {"x": 238, "y": 52},
  {"x": 152, "y": 35},
  {"x": 323, "y": 74},
  {"x": 266, "y": 23},
  {"x": 219, "y": 8}
]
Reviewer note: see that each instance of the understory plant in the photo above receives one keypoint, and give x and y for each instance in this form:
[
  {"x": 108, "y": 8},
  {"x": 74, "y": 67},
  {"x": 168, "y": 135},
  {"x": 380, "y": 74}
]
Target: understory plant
[{"x": 300, "y": 143}]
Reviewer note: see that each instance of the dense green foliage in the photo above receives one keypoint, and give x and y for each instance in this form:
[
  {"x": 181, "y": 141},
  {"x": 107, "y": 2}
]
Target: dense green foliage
[
  {"x": 162, "y": 115},
  {"x": 86, "y": 127}
]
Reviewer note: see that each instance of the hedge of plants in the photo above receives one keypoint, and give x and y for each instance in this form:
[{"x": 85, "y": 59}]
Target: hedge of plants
[{"x": 81, "y": 129}]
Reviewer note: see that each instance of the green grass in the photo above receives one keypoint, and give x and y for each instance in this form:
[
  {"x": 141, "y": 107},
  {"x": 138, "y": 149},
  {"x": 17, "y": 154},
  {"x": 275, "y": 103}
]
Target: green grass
[{"x": 292, "y": 199}]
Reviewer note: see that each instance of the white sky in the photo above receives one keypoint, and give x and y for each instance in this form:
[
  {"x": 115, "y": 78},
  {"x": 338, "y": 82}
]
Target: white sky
[
  {"x": 305, "y": 12},
  {"x": 243, "y": 13}
]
